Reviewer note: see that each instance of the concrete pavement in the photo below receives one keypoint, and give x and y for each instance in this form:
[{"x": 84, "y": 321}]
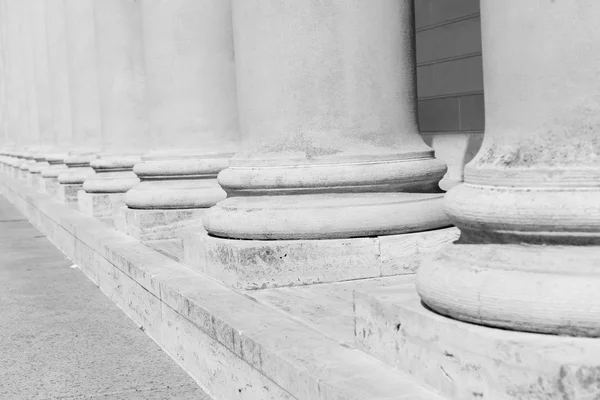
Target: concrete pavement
[{"x": 61, "y": 338}]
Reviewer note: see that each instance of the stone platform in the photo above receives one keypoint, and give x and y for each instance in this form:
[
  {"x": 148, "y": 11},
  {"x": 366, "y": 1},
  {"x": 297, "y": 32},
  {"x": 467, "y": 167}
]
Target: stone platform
[
  {"x": 260, "y": 264},
  {"x": 280, "y": 343},
  {"x": 467, "y": 361}
]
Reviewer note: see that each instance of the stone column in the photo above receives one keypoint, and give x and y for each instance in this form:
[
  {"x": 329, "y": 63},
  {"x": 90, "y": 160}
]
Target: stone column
[
  {"x": 60, "y": 97},
  {"x": 31, "y": 135},
  {"x": 19, "y": 110},
  {"x": 121, "y": 83},
  {"x": 188, "y": 48},
  {"x": 43, "y": 92},
  {"x": 83, "y": 90},
  {"x": 331, "y": 146},
  {"x": 529, "y": 210}
]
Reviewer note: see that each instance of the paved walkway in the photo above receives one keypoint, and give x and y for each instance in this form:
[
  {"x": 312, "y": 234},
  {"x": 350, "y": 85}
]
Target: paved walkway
[{"x": 61, "y": 338}]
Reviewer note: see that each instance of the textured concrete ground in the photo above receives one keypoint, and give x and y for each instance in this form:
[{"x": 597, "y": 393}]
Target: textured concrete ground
[{"x": 61, "y": 338}]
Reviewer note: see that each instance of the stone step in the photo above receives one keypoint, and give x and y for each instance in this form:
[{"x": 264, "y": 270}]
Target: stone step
[
  {"x": 234, "y": 346},
  {"x": 466, "y": 361}
]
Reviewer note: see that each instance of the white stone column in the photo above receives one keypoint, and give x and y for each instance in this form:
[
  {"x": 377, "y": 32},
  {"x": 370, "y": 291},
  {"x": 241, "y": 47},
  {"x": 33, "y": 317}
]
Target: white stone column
[
  {"x": 19, "y": 110},
  {"x": 60, "y": 97},
  {"x": 8, "y": 143},
  {"x": 331, "y": 147},
  {"x": 83, "y": 90},
  {"x": 43, "y": 90},
  {"x": 121, "y": 83},
  {"x": 31, "y": 135},
  {"x": 188, "y": 49},
  {"x": 529, "y": 210}
]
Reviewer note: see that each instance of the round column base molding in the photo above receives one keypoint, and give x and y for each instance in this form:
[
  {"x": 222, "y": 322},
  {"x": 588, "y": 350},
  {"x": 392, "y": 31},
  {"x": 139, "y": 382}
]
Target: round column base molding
[
  {"x": 542, "y": 215},
  {"x": 56, "y": 158},
  {"x": 27, "y": 164},
  {"x": 199, "y": 166},
  {"x": 175, "y": 194},
  {"x": 53, "y": 170},
  {"x": 75, "y": 175},
  {"x": 530, "y": 288},
  {"x": 110, "y": 181},
  {"x": 38, "y": 167},
  {"x": 114, "y": 163},
  {"x": 411, "y": 175},
  {"x": 326, "y": 216},
  {"x": 80, "y": 160}
]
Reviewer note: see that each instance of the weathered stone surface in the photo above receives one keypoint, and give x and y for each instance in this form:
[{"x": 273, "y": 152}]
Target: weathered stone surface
[
  {"x": 467, "y": 361},
  {"x": 103, "y": 206},
  {"x": 246, "y": 338},
  {"x": 50, "y": 185},
  {"x": 258, "y": 264},
  {"x": 161, "y": 224},
  {"x": 529, "y": 210},
  {"x": 328, "y": 154},
  {"x": 68, "y": 193}
]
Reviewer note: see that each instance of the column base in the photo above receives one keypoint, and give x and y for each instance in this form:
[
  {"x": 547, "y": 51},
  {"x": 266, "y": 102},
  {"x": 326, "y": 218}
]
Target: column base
[
  {"x": 67, "y": 193},
  {"x": 532, "y": 288},
  {"x": 50, "y": 185},
  {"x": 259, "y": 264},
  {"x": 103, "y": 206},
  {"x": 326, "y": 216},
  {"x": 466, "y": 361},
  {"x": 162, "y": 229}
]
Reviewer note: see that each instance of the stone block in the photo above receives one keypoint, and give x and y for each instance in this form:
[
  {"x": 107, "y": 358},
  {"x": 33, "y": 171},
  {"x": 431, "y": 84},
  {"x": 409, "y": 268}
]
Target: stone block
[
  {"x": 67, "y": 193},
  {"x": 258, "y": 264},
  {"x": 162, "y": 229},
  {"x": 467, "y": 361},
  {"x": 103, "y": 206},
  {"x": 221, "y": 372},
  {"x": 403, "y": 254},
  {"x": 35, "y": 181},
  {"x": 50, "y": 185}
]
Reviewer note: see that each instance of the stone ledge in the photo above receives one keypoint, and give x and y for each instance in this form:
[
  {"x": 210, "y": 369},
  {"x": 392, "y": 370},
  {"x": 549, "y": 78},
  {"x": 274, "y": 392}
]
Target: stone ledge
[
  {"x": 466, "y": 361},
  {"x": 232, "y": 345},
  {"x": 260, "y": 264},
  {"x": 162, "y": 229}
]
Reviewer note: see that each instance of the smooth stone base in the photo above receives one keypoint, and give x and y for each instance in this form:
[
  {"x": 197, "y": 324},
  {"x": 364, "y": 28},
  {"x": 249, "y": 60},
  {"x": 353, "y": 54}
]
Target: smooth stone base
[
  {"x": 103, "y": 206},
  {"x": 530, "y": 288},
  {"x": 259, "y": 264},
  {"x": 466, "y": 361},
  {"x": 68, "y": 193},
  {"x": 50, "y": 185},
  {"x": 326, "y": 215},
  {"x": 162, "y": 229}
]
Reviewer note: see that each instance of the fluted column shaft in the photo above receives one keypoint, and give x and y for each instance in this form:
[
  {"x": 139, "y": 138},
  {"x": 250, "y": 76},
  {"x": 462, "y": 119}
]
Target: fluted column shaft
[
  {"x": 188, "y": 49},
  {"x": 121, "y": 83},
  {"x": 327, "y": 104},
  {"x": 529, "y": 210}
]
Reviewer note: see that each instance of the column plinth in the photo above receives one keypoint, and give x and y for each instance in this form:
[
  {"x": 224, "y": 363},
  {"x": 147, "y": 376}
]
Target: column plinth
[
  {"x": 529, "y": 209},
  {"x": 331, "y": 156}
]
